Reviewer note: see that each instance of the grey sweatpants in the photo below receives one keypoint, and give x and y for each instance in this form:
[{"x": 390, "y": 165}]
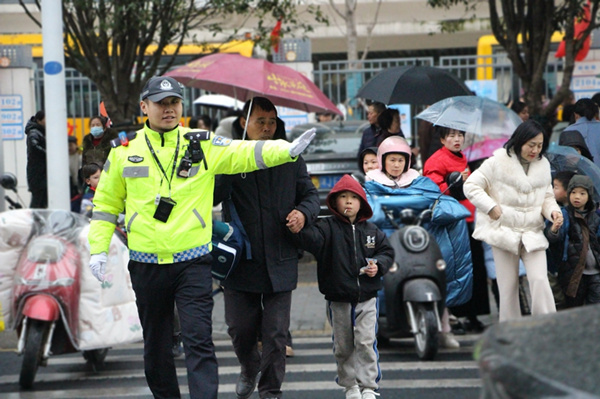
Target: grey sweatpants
[{"x": 355, "y": 342}]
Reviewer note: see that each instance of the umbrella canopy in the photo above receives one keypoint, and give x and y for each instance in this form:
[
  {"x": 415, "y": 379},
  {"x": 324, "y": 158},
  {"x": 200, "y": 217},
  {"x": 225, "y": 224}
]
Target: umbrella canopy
[
  {"x": 219, "y": 101},
  {"x": 243, "y": 78},
  {"x": 413, "y": 84},
  {"x": 567, "y": 158},
  {"x": 488, "y": 124}
]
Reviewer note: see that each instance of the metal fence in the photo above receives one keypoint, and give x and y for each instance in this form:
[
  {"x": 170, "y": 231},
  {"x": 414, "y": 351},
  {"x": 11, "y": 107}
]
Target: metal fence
[
  {"x": 336, "y": 79},
  {"x": 340, "y": 82},
  {"x": 83, "y": 97}
]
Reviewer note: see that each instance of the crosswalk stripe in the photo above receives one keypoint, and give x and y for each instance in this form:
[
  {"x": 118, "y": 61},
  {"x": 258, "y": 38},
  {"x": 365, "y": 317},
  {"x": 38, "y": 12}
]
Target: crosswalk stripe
[
  {"x": 230, "y": 388},
  {"x": 298, "y": 354},
  {"x": 305, "y": 348},
  {"x": 235, "y": 370}
]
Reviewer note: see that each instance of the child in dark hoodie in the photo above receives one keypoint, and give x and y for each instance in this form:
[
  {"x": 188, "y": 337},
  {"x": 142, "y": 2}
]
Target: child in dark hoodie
[
  {"x": 352, "y": 255},
  {"x": 578, "y": 270}
]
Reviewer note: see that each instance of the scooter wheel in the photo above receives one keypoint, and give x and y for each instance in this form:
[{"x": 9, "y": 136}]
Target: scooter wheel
[
  {"x": 426, "y": 339},
  {"x": 32, "y": 354}
]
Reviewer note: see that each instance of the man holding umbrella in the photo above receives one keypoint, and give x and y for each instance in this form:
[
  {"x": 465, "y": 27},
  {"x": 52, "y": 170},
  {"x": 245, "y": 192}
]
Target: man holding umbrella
[
  {"x": 166, "y": 173},
  {"x": 258, "y": 293}
]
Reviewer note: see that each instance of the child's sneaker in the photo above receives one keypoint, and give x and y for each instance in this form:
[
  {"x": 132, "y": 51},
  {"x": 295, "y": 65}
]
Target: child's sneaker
[
  {"x": 448, "y": 341},
  {"x": 369, "y": 394},
  {"x": 353, "y": 392}
]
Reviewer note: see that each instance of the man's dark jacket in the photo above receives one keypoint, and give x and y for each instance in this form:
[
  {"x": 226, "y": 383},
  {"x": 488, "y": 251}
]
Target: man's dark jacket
[
  {"x": 36, "y": 156},
  {"x": 263, "y": 199}
]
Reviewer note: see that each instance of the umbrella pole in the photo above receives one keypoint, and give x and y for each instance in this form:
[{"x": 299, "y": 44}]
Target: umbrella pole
[{"x": 247, "y": 118}]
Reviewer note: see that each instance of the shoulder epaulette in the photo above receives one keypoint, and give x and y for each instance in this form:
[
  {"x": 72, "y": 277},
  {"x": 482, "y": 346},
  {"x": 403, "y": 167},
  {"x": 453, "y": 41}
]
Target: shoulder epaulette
[
  {"x": 197, "y": 134},
  {"x": 114, "y": 143}
]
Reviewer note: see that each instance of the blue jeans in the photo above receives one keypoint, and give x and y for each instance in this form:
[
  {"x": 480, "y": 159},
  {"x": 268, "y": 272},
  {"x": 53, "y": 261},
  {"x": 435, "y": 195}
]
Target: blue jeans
[{"x": 189, "y": 285}]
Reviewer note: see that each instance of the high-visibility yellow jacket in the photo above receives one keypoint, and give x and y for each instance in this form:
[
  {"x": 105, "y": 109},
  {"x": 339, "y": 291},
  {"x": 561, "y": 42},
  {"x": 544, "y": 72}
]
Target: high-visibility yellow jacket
[{"x": 132, "y": 179}]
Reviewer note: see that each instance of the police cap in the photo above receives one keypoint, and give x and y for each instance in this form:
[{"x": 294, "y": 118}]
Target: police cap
[{"x": 158, "y": 88}]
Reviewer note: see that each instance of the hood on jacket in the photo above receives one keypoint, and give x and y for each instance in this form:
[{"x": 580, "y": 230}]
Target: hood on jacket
[
  {"x": 361, "y": 156},
  {"x": 574, "y": 138},
  {"x": 33, "y": 124},
  {"x": 393, "y": 144},
  {"x": 347, "y": 183},
  {"x": 237, "y": 131},
  {"x": 585, "y": 182}
]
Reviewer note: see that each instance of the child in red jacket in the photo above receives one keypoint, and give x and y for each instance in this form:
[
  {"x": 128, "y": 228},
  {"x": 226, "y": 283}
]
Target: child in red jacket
[{"x": 438, "y": 167}]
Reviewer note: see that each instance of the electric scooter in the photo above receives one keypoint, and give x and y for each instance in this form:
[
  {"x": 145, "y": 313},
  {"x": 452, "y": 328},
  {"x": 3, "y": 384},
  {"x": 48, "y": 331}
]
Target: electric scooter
[
  {"x": 46, "y": 290},
  {"x": 415, "y": 286}
]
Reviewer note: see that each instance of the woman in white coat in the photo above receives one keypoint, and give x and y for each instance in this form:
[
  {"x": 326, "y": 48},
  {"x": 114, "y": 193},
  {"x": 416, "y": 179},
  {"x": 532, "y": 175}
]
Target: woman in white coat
[{"x": 512, "y": 192}]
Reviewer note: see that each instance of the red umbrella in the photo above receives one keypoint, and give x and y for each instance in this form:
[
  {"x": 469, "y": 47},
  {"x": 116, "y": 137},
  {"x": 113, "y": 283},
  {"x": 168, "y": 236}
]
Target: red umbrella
[{"x": 243, "y": 78}]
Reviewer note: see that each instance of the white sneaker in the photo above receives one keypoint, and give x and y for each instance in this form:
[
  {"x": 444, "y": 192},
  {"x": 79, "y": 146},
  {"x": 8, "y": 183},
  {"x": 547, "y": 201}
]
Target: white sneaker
[
  {"x": 448, "y": 341},
  {"x": 353, "y": 392},
  {"x": 369, "y": 394}
]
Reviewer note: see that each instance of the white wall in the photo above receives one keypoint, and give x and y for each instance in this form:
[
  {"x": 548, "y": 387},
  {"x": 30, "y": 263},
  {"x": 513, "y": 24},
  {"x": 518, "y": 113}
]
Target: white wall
[{"x": 18, "y": 81}]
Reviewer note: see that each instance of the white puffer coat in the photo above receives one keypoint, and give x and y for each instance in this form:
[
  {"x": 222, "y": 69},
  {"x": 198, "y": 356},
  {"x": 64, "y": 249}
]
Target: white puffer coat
[{"x": 525, "y": 199}]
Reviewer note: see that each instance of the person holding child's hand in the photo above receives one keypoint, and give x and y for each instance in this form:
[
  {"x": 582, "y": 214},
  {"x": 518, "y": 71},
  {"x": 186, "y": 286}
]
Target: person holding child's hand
[
  {"x": 512, "y": 192},
  {"x": 556, "y": 222}
]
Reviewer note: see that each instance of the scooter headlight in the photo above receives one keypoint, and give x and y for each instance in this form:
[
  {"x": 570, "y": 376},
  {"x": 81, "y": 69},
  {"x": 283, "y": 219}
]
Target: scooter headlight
[{"x": 415, "y": 239}]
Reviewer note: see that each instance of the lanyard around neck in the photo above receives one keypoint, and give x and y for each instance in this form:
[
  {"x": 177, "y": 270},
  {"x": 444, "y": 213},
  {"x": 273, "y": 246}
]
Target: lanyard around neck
[{"x": 160, "y": 165}]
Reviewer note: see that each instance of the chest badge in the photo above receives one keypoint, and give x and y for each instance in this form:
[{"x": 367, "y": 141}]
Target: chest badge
[
  {"x": 370, "y": 242},
  {"x": 135, "y": 159},
  {"x": 221, "y": 141}
]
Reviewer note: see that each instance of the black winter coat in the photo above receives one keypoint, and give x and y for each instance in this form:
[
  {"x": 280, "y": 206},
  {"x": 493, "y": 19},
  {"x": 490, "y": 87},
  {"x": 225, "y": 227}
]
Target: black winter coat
[
  {"x": 340, "y": 249},
  {"x": 263, "y": 199},
  {"x": 36, "y": 156},
  {"x": 574, "y": 243}
]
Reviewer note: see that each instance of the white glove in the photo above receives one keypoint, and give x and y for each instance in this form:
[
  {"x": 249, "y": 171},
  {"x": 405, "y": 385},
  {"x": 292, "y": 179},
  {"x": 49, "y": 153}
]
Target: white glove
[
  {"x": 98, "y": 265},
  {"x": 302, "y": 142}
]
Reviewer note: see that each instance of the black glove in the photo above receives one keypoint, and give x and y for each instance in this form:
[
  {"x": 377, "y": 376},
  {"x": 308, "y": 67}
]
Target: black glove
[{"x": 456, "y": 191}]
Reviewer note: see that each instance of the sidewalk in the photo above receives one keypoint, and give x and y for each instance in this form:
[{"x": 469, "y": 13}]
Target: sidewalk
[{"x": 307, "y": 318}]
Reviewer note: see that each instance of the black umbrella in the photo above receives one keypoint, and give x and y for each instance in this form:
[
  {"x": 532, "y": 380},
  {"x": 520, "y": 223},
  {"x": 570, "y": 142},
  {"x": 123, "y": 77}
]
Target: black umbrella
[{"x": 412, "y": 84}]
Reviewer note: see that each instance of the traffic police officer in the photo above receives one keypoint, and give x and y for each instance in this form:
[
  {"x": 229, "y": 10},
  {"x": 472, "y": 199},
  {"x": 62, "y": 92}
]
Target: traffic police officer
[{"x": 165, "y": 174}]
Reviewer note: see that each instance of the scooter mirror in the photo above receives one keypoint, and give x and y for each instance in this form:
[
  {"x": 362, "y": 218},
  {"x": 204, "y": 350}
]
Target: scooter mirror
[
  {"x": 454, "y": 178},
  {"x": 9, "y": 181},
  {"x": 359, "y": 178}
]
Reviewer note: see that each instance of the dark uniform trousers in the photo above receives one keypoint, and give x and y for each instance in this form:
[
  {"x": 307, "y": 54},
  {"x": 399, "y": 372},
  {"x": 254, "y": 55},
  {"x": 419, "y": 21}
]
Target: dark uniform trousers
[
  {"x": 245, "y": 314},
  {"x": 189, "y": 285}
]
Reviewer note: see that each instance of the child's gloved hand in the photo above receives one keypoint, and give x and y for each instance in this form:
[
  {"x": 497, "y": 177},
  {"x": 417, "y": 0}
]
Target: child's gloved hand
[{"x": 302, "y": 142}]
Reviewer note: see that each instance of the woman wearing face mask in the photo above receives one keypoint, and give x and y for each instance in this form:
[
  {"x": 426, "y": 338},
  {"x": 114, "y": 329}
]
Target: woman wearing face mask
[{"x": 96, "y": 144}]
